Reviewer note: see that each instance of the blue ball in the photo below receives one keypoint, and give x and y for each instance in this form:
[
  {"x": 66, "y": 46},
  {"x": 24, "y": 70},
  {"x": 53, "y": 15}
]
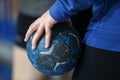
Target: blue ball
[{"x": 61, "y": 56}]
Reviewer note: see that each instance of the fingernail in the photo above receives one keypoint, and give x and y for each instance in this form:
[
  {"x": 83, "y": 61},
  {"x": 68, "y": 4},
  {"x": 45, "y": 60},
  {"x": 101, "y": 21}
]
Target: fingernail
[
  {"x": 33, "y": 47},
  {"x": 25, "y": 40},
  {"x": 46, "y": 46}
]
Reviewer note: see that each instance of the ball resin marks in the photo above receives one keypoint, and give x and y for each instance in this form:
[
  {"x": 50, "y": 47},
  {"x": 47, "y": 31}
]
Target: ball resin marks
[{"x": 61, "y": 56}]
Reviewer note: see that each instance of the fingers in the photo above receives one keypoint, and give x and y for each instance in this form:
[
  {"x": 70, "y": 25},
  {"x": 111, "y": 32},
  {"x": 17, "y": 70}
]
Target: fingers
[
  {"x": 30, "y": 31},
  {"x": 36, "y": 36},
  {"x": 39, "y": 33},
  {"x": 47, "y": 36},
  {"x": 44, "y": 23},
  {"x": 40, "y": 30}
]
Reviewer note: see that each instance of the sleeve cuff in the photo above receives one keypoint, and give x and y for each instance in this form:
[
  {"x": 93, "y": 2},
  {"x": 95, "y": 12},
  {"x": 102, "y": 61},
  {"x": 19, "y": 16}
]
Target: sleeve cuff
[{"x": 57, "y": 12}]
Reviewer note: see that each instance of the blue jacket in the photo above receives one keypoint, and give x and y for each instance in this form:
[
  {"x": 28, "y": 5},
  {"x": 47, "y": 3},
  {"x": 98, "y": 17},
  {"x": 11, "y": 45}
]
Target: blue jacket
[{"x": 104, "y": 29}]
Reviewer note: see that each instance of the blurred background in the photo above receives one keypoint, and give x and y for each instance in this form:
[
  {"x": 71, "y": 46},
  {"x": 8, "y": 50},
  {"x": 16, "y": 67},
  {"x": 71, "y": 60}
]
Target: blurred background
[
  {"x": 7, "y": 38},
  {"x": 9, "y": 11}
]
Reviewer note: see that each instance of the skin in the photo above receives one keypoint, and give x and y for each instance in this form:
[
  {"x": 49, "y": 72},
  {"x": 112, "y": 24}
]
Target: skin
[{"x": 42, "y": 25}]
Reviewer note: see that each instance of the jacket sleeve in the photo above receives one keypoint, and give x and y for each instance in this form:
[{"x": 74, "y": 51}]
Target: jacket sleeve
[{"x": 63, "y": 9}]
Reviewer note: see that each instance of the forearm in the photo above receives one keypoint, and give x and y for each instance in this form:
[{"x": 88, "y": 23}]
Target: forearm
[{"x": 63, "y": 9}]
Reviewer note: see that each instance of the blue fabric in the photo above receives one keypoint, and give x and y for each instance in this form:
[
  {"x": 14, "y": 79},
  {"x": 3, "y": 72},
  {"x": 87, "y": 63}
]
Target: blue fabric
[
  {"x": 7, "y": 30},
  {"x": 63, "y": 9},
  {"x": 103, "y": 40},
  {"x": 104, "y": 29},
  {"x": 5, "y": 71}
]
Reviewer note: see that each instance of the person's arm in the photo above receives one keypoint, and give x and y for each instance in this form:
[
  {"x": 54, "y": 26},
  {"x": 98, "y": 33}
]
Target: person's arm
[
  {"x": 63, "y": 9},
  {"x": 59, "y": 12}
]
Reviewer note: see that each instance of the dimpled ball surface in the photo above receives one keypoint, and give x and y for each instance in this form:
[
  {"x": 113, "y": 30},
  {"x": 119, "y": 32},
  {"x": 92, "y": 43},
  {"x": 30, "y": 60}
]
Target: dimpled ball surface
[{"x": 62, "y": 54}]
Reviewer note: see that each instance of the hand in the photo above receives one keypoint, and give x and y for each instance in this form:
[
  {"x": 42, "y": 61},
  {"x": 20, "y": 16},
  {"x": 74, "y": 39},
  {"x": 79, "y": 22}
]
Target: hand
[{"x": 39, "y": 26}]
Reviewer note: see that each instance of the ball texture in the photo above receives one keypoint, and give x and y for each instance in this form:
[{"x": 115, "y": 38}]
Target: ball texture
[{"x": 61, "y": 56}]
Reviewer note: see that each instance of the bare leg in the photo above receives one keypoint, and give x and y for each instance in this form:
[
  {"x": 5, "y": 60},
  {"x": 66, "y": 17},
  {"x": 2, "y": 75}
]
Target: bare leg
[
  {"x": 23, "y": 69},
  {"x": 67, "y": 76}
]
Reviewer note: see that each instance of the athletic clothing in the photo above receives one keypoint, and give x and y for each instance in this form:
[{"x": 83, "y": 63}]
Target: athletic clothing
[
  {"x": 104, "y": 29},
  {"x": 100, "y": 58},
  {"x": 24, "y": 21},
  {"x": 97, "y": 64},
  {"x": 81, "y": 20}
]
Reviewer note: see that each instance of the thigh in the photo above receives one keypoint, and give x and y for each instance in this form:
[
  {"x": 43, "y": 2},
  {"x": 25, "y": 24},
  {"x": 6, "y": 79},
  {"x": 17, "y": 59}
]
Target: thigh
[
  {"x": 23, "y": 69},
  {"x": 98, "y": 64}
]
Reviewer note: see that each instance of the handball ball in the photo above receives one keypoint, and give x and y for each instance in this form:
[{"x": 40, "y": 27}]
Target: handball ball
[{"x": 61, "y": 56}]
